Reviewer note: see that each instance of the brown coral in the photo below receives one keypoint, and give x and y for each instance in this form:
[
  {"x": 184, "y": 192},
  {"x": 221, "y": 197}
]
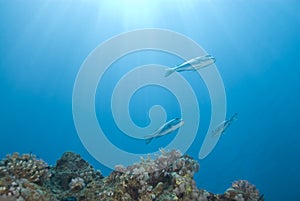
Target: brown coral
[
  {"x": 168, "y": 177},
  {"x": 21, "y": 190},
  {"x": 25, "y": 166},
  {"x": 243, "y": 189}
]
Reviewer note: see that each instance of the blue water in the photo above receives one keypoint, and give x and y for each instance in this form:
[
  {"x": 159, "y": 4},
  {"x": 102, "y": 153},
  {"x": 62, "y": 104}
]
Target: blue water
[{"x": 257, "y": 47}]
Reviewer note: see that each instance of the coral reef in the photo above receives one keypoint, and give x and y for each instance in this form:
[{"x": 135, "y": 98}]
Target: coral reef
[
  {"x": 71, "y": 166},
  {"x": 22, "y": 177},
  {"x": 243, "y": 190},
  {"x": 25, "y": 166},
  {"x": 70, "y": 175},
  {"x": 169, "y": 177},
  {"x": 77, "y": 184},
  {"x": 21, "y": 189}
]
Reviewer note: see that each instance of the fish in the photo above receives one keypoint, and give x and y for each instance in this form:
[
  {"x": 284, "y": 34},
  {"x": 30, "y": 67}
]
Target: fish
[
  {"x": 192, "y": 64},
  {"x": 222, "y": 127},
  {"x": 165, "y": 129}
]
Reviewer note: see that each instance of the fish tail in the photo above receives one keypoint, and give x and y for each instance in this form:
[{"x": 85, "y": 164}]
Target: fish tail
[
  {"x": 234, "y": 117},
  {"x": 169, "y": 71},
  {"x": 148, "y": 140},
  {"x": 150, "y": 137}
]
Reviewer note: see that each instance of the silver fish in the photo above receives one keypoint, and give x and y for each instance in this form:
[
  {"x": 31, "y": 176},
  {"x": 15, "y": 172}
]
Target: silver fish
[
  {"x": 221, "y": 128},
  {"x": 192, "y": 65},
  {"x": 165, "y": 129}
]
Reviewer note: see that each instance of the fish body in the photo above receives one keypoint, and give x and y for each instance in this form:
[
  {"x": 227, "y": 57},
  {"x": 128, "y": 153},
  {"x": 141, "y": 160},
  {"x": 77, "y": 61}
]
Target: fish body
[
  {"x": 221, "y": 128},
  {"x": 165, "y": 129},
  {"x": 192, "y": 65}
]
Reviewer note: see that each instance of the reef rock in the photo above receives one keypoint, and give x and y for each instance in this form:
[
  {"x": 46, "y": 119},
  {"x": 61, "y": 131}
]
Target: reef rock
[
  {"x": 169, "y": 177},
  {"x": 25, "y": 166}
]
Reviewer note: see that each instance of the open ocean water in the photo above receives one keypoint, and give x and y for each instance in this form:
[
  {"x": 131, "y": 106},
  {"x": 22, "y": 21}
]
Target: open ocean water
[{"x": 43, "y": 47}]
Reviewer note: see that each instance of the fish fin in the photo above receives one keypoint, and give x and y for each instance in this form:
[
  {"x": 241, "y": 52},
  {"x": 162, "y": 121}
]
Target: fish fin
[
  {"x": 169, "y": 71},
  {"x": 150, "y": 137},
  {"x": 234, "y": 117},
  {"x": 148, "y": 140},
  {"x": 218, "y": 134},
  {"x": 215, "y": 134},
  {"x": 218, "y": 131}
]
